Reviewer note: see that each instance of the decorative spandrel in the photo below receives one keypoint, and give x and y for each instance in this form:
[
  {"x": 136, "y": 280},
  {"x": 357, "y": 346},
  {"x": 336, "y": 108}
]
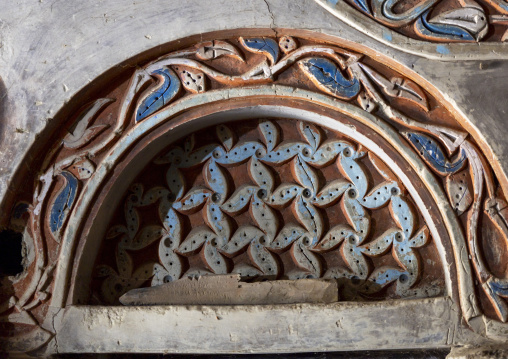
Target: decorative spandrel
[{"x": 266, "y": 201}]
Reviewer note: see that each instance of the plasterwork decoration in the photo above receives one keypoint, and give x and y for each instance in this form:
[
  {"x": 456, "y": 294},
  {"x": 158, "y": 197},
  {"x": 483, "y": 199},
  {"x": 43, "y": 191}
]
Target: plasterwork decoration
[
  {"x": 440, "y": 20},
  {"x": 221, "y": 235},
  {"x": 81, "y": 154}
]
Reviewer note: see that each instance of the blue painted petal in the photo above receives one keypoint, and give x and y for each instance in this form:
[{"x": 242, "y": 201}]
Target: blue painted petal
[
  {"x": 326, "y": 73},
  {"x": 441, "y": 31},
  {"x": 264, "y": 45},
  {"x": 165, "y": 90},
  {"x": 362, "y": 4},
  {"x": 434, "y": 155},
  {"x": 63, "y": 202}
]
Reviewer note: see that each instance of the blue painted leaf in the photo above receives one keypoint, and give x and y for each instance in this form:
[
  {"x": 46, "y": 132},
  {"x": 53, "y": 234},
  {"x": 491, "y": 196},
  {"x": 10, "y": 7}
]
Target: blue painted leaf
[
  {"x": 266, "y": 46},
  {"x": 328, "y": 77},
  {"x": 430, "y": 150},
  {"x": 163, "y": 92},
  {"x": 362, "y": 4},
  {"x": 441, "y": 31},
  {"x": 63, "y": 202}
]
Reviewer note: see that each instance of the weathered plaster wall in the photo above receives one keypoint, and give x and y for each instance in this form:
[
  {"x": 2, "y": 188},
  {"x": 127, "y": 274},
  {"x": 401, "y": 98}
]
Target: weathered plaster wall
[{"x": 50, "y": 50}]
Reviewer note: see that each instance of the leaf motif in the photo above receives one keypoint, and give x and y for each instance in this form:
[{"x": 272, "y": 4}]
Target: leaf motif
[
  {"x": 262, "y": 258},
  {"x": 199, "y": 156},
  {"x": 305, "y": 259},
  {"x": 143, "y": 273},
  {"x": 171, "y": 261},
  {"x": 309, "y": 217},
  {"x": 382, "y": 276},
  {"x": 79, "y": 133},
  {"x": 242, "y": 237},
  {"x": 421, "y": 238},
  {"x": 380, "y": 195},
  {"x": 225, "y": 136},
  {"x": 82, "y": 169},
  {"x": 239, "y": 200},
  {"x": 63, "y": 203},
  {"x": 356, "y": 216},
  {"x": 88, "y": 135},
  {"x": 354, "y": 258},
  {"x": 270, "y": 134},
  {"x": 193, "y": 200},
  {"x": 325, "y": 154},
  {"x": 144, "y": 238},
  {"x": 264, "y": 217},
  {"x": 333, "y": 238},
  {"x": 406, "y": 89},
  {"x": 159, "y": 95},
  {"x": 193, "y": 81},
  {"x": 116, "y": 231},
  {"x": 189, "y": 144},
  {"x": 131, "y": 214},
  {"x": 263, "y": 45},
  {"x": 329, "y": 78},
  {"x": 123, "y": 262},
  {"x": 331, "y": 193},
  {"x": 175, "y": 182},
  {"x": 353, "y": 171},
  {"x": 261, "y": 175},
  {"x": 462, "y": 24},
  {"x": 246, "y": 271},
  {"x": 311, "y": 134},
  {"x": 171, "y": 156},
  {"x": 193, "y": 242},
  {"x": 214, "y": 49},
  {"x": 382, "y": 244},
  {"x": 237, "y": 155},
  {"x": 305, "y": 175},
  {"x": 213, "y": 259},
  {"x": 215, "y": 178},
  {"x": 286, "y": 236},
  {"x": 153, "y": 195},
  {"x": 403, "y": 214},
  {"x": 396, "y": 87},
  {"x": 218, "y": 222},
  {"x": 433, "y": 154},
  {"x": 284, "y": 194},
  {"x": 459, "y": 189}
]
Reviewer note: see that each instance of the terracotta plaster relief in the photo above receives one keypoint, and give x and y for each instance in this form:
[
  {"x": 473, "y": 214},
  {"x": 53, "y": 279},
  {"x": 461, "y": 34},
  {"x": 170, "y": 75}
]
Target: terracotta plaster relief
[
  {"x": 381, "y": 197},
  {"x": 439, "y": 20},
  {"x": 246, "y": 202}
]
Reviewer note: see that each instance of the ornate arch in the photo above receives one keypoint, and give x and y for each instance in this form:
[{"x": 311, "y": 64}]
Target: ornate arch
[{"x": 395, "y": 145}]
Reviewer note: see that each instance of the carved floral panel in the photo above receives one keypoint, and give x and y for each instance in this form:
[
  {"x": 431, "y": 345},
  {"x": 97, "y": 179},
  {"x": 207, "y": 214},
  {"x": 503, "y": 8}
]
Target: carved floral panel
[{"x": 269, "y": 202}]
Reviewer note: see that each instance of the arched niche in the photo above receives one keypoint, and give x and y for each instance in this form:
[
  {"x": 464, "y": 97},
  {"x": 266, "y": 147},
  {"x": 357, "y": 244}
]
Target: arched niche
[{"x": 379, "y": 109}]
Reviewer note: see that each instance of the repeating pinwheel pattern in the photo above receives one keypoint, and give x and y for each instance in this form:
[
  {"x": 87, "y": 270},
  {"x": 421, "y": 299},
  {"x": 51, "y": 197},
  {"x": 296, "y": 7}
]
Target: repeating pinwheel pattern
[{"x": 266, "y": 237}]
